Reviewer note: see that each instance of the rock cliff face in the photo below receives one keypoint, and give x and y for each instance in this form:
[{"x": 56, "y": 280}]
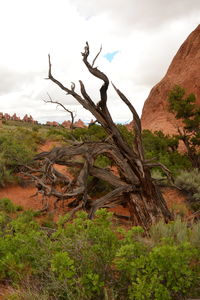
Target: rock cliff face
[{"x": 183, "y": 71}]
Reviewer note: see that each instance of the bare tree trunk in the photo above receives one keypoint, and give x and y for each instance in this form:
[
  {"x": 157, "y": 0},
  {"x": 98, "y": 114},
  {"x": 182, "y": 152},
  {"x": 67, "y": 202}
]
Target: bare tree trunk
[
  {"x": 134, "y": 187},
  {"x": 147, "y": 210}
]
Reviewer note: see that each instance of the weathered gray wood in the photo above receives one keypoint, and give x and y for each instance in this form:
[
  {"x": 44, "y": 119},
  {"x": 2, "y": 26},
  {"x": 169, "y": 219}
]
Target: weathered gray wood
[{"x": 133, "y": 186}]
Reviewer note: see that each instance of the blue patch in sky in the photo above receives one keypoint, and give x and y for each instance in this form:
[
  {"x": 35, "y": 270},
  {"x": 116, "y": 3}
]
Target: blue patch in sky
[{"x": 110, "y": 55}]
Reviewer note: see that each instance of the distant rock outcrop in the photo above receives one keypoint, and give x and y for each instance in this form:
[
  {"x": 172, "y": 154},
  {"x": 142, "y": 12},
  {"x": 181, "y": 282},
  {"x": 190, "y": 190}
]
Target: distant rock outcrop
[
  {"x": 67, "y": 124},
  {"x": 29, "y": 119},
  {"x": 14, "y": 117},
  {"x": 79, "y": 124},
  {"x": 54, "y": 124},
  {"x": 6, "y": 117},
  {"x": 183, "y": 71}
]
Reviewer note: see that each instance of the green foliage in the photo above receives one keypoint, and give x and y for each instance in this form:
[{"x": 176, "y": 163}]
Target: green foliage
[
  {"x": 63, "y": 266},
  {"x": 185, "y": 109},
  {"x": 160, "y": 267},
  {"x": 190, "y": 182},
  {"x": 176, "y": 233},
  {"x": 20, "y": 247},
  {"x": 158, "y": 142},
  {"x": 7, "y": 206},
  {"x": 47, "y": 221},
  {"x": 102, "y": 161},
  {"x": 164, "y": 149},
  {"x": 93, "y": 259},
  {"x": 92, "y": 133},
  {"x": 17, "y": 147},
  {"x": 163, "y": 274},
  {"x": 126, "y": 134},
  {"x": 92, "y": 246}
]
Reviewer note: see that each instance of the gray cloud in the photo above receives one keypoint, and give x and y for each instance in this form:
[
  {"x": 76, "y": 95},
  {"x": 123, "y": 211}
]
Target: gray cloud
[
  {"x": 140, "y": 14},
  {"x": 14, "y": 80},
  {"x": 146, "y": 33}
]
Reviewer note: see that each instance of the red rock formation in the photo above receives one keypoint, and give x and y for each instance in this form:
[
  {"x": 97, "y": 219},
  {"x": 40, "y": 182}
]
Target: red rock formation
[
  {"x": 7, "y": 117},
  {"x": 66, "y": 124},
  {"x": 79, "y": 124},
  {"x": 130, "y": 126},
  {"x": 15, "y": 118},
  {"x": 25, "y": 118},
  {"x": 55, "y": 124},
  {"x": 29, "y": 119},
  {"x": 183, "y": 71}
]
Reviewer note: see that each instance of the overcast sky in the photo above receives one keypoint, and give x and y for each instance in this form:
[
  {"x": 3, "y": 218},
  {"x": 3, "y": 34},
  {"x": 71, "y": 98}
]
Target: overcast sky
[{"x": 139, "y": 40}]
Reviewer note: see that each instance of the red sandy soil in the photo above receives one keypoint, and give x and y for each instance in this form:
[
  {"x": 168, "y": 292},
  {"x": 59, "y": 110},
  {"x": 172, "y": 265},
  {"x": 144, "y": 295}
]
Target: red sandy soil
[
  {"x": 49, "y": 145},
  {"x": 21, "y": 196},
  {"x": 176, "y": 201},
  {"x": 24, "y": 195}
]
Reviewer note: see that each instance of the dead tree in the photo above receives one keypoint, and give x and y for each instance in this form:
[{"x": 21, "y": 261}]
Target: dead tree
[
  {"x": 134, "y": 187},
  {"x": 64, "y": 108}
]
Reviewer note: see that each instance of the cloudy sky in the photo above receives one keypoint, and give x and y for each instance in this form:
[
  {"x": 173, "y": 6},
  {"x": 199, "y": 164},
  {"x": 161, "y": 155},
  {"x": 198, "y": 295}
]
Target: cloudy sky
[{"x": 139, "y": 39}]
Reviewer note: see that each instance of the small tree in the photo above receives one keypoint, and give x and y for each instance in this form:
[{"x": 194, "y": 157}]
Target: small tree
[
  {"x": 185, "y": 109},
  {"x": 133, "y": 187}
]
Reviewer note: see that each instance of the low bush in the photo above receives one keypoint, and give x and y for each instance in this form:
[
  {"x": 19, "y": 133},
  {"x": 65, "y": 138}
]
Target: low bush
[
  {"x": 165, "y": 149},
  {"x": 92, "y": 133},
  {"x": 17, "y": 147},
  {"x": 95, "y": 259},
  {"x": 7, "y": 206},
  {"x": 189, "y": 181}
]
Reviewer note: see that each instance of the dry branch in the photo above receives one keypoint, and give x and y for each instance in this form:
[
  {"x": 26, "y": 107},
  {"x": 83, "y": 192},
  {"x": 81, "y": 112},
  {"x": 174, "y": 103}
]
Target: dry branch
[
  {"x": 133, "y": 187},
  {"x": 61, "y": 105}
]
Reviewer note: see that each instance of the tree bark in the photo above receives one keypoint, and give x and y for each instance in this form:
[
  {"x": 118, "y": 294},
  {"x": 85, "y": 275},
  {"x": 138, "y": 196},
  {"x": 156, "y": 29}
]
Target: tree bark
[{"x": 134, "y": 186}]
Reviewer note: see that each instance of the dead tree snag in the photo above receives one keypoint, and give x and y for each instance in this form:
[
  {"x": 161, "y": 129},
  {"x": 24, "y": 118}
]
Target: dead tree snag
[
  {"x": 64, "y": 108},
  {"x": 133, "y": 187}
]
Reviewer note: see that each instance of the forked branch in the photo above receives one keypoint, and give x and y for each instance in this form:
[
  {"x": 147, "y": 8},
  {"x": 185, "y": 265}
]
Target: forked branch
[
  {"x": 61, "y": 105},
  {"x": 97, "y": 73},
  {"x": 133, "y": 185}
]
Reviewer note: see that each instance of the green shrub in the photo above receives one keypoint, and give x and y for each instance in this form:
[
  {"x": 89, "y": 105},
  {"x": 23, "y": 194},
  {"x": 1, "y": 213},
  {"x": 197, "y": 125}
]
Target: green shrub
[
  {"x": 7, "y": 206},
  {"x": 164, "y": 149},
  {"x": 184, "y": 107},
  {"x": 94, "y": 259},
  {"x": 92, "y": 133},
  {"x": 17, "y": 147},
  {"x": 163, "y": 274},
  {"x": 127, "y": 134},
  {"x": 189, "y": 181},
  {"x": 48, "y": 221}
]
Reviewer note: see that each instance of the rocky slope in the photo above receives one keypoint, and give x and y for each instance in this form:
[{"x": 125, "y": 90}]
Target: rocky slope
[{"x": 184, "y": 70}]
